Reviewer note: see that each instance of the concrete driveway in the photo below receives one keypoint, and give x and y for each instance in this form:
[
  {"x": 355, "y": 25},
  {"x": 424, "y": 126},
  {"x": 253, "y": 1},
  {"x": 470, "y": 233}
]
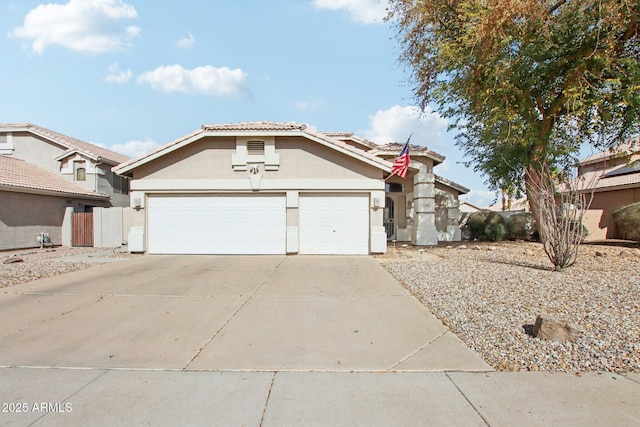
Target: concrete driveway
[{"x": 250, "y": 313}]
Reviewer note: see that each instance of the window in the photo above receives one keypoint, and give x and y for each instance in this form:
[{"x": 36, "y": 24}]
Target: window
[
  {"x": 81, "y": 174},
  {"x": 393, "y": 187},
  {"x": 120, "y": 185},
  {"x": 80, "y": 171}
]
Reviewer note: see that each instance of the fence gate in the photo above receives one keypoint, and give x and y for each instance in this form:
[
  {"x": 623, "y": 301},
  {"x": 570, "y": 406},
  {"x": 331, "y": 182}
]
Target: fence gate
[{"x": 82, "y": 224}]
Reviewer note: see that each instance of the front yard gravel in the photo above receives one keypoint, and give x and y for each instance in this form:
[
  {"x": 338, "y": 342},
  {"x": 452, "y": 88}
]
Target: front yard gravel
[
  {"x": 490, "y": 295},
  {"x": 40, "y": 263}
]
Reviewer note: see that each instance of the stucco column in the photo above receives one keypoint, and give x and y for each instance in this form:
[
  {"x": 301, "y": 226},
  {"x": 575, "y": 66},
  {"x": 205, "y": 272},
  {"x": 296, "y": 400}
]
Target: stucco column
[
  {"x": 424, "y": 221},
  {"x": 67, "y": 227},
  {"x": 453, "y": 223}
]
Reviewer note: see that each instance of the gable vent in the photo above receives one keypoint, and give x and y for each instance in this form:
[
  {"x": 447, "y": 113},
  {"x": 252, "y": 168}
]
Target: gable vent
[{"x": 255, "y": 148}]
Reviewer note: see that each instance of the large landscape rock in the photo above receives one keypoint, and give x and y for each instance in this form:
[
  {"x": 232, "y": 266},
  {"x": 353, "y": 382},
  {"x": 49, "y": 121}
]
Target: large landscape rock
[{"x": 555, "y": 328}]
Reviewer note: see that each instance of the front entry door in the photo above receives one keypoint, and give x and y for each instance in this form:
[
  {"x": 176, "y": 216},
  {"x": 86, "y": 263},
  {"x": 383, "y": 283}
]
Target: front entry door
[{"x": 389, "y": 224}]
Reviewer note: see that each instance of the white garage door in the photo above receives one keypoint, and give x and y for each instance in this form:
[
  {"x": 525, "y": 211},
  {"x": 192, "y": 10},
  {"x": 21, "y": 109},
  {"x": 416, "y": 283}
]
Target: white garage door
[
  {"x": 334, "y": 224},
  {"x": 217, "y": 224}
]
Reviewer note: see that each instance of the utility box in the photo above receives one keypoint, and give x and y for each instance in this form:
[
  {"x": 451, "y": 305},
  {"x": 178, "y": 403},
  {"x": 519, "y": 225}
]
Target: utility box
[{"x": 136, "y": 239}]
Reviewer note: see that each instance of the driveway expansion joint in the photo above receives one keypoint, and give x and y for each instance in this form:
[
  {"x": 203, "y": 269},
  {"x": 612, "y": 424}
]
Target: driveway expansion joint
[
  {"x": 266, "y": 402},
  {"x": 234, "y": 314},
  {"x": 467, "y": 399}
]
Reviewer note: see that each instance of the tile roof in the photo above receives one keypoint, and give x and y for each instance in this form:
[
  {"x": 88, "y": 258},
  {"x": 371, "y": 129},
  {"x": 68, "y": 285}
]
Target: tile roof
[
  {"x": 351, "y": 136},
  {"x": 444, "y": 181},
  {"x": 394, "y": 148},
  {"x": 260, "y": 126},
  {"x": 19, "y": 175},
  {"x": 602, "y": 180},
  {"x": 71, "y": 144},
  {"x": 621, "y": 150}
]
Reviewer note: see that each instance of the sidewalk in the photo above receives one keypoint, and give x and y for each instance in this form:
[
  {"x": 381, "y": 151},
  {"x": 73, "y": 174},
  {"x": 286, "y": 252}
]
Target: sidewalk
[{"x": 75, "y": 397}]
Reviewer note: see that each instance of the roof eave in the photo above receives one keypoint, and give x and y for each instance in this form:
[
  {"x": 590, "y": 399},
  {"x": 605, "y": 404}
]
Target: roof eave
[{"x": 47, "y": 192}]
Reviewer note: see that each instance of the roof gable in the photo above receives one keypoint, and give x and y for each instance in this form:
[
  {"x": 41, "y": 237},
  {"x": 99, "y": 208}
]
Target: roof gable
[
  {"x": 257, "y": 129},
  {"x": 71, "y": 144},
  {"x": 22, "y": 176}
]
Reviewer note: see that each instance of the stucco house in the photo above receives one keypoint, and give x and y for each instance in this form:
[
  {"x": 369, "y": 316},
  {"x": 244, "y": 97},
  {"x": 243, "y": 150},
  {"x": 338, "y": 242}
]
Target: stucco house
[
  {"x": 614, "y": 178},
  {"x": 44, "y": 175},
  {"x": 276, "y": 188}
]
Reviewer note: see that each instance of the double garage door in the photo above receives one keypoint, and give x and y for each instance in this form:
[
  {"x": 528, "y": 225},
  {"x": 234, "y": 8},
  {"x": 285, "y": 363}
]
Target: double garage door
[{"x": 256, "y": 224}]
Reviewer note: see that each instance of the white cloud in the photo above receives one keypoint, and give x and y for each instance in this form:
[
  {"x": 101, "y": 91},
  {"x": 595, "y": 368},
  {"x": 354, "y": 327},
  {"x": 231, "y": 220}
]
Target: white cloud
[
  {"x": 208, "y": 80},
  {"x": 365, "y": 11},
  {"x": 80, "y": 25},
  {"x": 187, "y": 42},
  {"x": 135, "y": 148},
  {"x": 307, "y": 105},
  {"x": 480, "y": 198},
  {"x": 117, "y": 76},
  {"x": 397, "y": 123}
]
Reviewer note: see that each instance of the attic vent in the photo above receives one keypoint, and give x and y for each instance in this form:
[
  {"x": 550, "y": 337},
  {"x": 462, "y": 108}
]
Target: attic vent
[{"x": 255, "y": 148}]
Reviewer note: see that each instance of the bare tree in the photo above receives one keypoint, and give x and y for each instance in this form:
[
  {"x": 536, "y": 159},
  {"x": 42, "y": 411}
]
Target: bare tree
[{"x": 563, "y": 202}]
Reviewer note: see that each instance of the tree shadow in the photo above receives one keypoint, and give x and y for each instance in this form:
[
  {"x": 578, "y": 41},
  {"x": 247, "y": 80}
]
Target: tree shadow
[{"x": 523, "y": 264}]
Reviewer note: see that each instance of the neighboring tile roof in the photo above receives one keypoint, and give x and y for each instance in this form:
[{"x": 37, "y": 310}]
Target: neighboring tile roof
[
  {"x": 71, "y": 144},
  {"x": 626, "y": 148},
  {"x": 611, "y": 177},
  {"x": 601, "y": 180},
  {"x": 19, "y": 175}
]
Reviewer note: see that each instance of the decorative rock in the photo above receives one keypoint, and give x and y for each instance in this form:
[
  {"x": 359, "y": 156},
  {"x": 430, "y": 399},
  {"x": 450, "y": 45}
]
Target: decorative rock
[
  {"x": 462, "y": 247},
  {"x": 492, "y": 248},
  {"x": 556, "y": 329},
  {"x": 598, "y": 253},
  {"x": 12, "y": 260},
  {"x": 627, "y": 254}
]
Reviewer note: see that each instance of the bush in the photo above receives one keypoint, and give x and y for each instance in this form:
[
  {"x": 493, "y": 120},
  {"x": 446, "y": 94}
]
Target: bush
[
  {"x": 486, "y": 225},
  {"x": 627, "y": 220},
  {"x": 495, "y": 231},
  {"x": 521, "y": 226}
]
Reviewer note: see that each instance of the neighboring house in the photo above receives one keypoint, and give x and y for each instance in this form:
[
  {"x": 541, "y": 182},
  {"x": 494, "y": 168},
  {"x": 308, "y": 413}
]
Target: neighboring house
[
  {"x": 468, "y": 207},
  {"x": 513, "y": 205},
  {"x": 44, "y": 174},
  {"x": 276, "y": 188},
  {"x": 614, "y": 178}
]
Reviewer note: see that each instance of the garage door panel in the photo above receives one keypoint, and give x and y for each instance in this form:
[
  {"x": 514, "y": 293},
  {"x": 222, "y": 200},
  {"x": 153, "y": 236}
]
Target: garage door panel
[
  {"x": 217, "y": 224},
  {"x": 334, "y": 224}
]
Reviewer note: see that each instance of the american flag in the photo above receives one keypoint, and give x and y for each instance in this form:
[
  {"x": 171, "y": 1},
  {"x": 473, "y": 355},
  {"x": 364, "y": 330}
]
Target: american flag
[{"x": 401, "y": 164}]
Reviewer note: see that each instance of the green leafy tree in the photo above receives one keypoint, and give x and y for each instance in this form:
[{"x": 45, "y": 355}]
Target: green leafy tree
[{"x": 525, "y": 81}]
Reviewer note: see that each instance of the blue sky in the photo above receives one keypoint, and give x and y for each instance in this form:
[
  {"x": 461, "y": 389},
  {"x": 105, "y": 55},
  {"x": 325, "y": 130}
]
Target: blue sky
[{"x": 134, "y": 74}]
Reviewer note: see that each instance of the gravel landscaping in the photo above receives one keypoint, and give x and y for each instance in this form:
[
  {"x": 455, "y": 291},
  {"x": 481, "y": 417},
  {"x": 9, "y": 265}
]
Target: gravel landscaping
[
  {"x": 39, "y": 263},
  {"x": 490, "y": 295}
]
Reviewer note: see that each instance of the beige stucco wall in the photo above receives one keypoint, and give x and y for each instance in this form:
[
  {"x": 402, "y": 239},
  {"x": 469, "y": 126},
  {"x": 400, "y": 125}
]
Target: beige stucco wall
[
  {"x": 210, "y": 158},
  {"x": 37, "y": 151},
  {"x": 598, "y": 218},
  {"x": 24, "y": 216}
]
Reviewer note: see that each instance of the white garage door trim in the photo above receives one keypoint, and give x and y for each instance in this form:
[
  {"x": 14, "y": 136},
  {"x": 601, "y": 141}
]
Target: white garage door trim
[
  {"x": 217, "y": 224},
  {"x": 334, "y": 224}
]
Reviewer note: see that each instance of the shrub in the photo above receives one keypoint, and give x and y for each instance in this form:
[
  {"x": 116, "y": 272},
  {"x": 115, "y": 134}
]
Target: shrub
[
  {"x": 486, "y": 225},
  {"x": 627, "y": 220},
  {"x": 521, "y": 226},
  {"x": 494, "y": 231}
]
